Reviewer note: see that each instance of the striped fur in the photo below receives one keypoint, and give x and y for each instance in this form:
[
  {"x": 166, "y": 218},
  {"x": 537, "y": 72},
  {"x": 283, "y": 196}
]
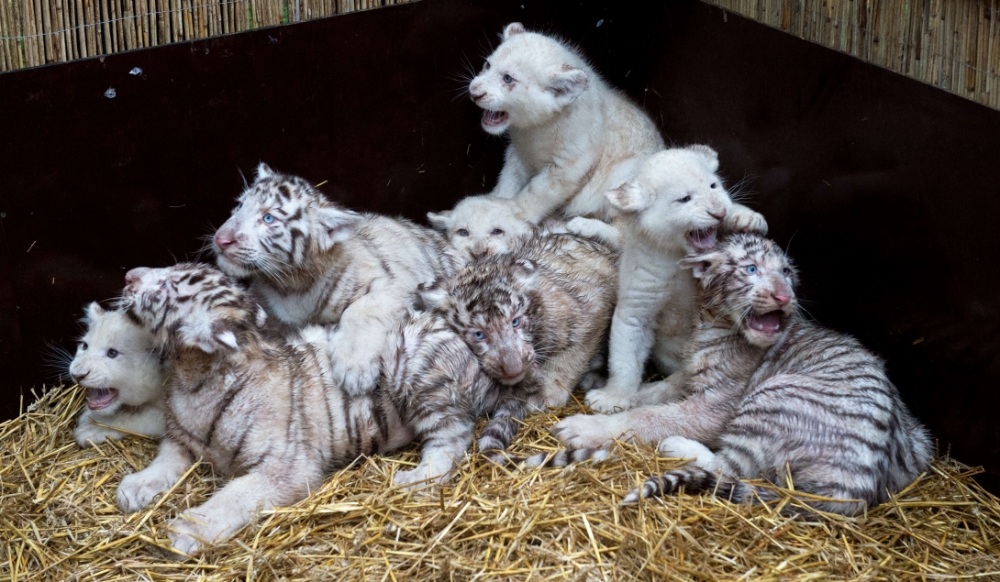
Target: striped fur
[
  {"x": 775, "y": 396},
  {"x": 536, "y": 318},
  {"x": 270, "y": 412},
  {"x": 312, "y": 262}
]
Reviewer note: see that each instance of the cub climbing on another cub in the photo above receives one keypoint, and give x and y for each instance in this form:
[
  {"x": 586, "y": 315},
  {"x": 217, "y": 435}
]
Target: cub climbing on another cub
[
  {"x": 118, "y": 365},
  {"x": 572, "y": 137}
]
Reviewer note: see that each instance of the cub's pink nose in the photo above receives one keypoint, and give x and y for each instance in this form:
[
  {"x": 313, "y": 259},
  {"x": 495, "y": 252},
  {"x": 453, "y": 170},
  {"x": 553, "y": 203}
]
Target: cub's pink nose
[
  {"x": 477, "y": 96},
  {"x": 782, "y": 299},
  {"x": 719, "y": 214},
  {"x": 135, "y": 275},
  {"x": 223, "y": 240}
]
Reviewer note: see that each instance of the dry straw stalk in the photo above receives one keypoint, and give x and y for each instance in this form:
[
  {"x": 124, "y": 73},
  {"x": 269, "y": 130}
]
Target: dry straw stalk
[{"x": 58, "y": 521}]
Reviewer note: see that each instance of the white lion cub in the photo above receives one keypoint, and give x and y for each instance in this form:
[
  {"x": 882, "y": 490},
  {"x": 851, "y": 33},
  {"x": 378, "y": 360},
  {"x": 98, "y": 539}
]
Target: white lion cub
[
  {"x": 116, "y": 363},
  {"x": 675, "y": 205},
  {"x": 483, "y": 226},
  {"x": 572, "y": 137}
]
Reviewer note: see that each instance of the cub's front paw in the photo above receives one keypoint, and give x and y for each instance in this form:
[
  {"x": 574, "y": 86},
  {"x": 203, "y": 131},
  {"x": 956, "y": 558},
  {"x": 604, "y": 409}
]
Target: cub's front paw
[
  {"x": 189, "y": 532},
  {"x": 138, "y": 489},
  {"x": 742, "y": 219},
  {"x": 357, "y": 374},
  {"x": 89, "y": 434},
  {"x": 585, "y": 431},
  {"x": 608, "y": 400},
  {"x": 420, "y": 475}
]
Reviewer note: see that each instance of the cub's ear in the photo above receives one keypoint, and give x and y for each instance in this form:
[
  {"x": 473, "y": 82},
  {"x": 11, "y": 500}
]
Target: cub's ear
[
  {"x": 92, "y": 312},
  {"x": 711, "y": 156},
  {"x": 264, "y": 171},
  {"x": 512, "y": 29},
  {"x": 628, "y": 198},
  {"x": 567, "y": 83},
  {"x": 700, "y": 265},
  {"x": 440, "y": 220},
  {"x": 526, "y": 272},
  {"x": 209, "y": 337},
  {"x": 335, "y": 225},
  {"x": 430, "y": 297}
]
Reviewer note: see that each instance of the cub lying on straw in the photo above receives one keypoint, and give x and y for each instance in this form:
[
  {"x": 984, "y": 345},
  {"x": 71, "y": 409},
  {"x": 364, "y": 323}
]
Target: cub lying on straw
[
  {"x": 776, "y": 396},
  {"x": 116, "y": 363},
  {"x": 269, "y": 411}
]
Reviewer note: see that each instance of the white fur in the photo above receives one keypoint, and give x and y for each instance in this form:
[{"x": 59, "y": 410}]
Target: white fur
[
  {"x": 676, "y": 192},
  {"x": 483, "y": 226},
  {"x": 117, "y": 354},
  {"x": 572, "y": 137}
]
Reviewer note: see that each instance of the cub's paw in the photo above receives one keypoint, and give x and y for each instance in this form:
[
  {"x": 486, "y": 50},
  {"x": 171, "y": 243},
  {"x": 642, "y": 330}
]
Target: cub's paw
[
  {"x": 608, "y": 400},
  {"x": 89, "y": 434},
  {"x": 138, "y": 489},
  {"x": 188, "y": 533},
  {"x": 742, "y": 219},
  {"x": 585, "y": 431},
  {"x": 421, "y": 475},
  {"x": 356, "y": 374}
]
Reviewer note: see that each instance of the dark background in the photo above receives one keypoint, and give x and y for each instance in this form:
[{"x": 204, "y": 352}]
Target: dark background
[{"x": 888, "y": 189}]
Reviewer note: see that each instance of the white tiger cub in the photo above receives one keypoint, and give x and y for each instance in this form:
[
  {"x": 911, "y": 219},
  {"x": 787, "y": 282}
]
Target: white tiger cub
[
  {"x": 118, "y": 365},
  {"x": 572, "y": 137},
  {"x": 311, "y": 261},
  {"x": 675, "y": 205},
  {"x": 768, "y": 394},
  {"x": 268, "y": 411},
  {"x": 484, "y": 226}
]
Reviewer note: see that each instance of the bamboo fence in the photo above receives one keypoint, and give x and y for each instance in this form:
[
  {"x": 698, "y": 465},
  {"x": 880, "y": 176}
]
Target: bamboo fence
[
  {"x": 951, "y": 44},
  {"x": 38, "y": 32}
]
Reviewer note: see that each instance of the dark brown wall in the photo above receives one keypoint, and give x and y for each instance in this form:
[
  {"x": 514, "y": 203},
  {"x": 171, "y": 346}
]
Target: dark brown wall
[{"x": 883, "y": 185}]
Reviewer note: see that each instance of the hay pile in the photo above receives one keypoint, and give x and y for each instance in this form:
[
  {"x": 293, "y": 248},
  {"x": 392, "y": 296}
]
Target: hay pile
[{"x": 58, "y": 521}]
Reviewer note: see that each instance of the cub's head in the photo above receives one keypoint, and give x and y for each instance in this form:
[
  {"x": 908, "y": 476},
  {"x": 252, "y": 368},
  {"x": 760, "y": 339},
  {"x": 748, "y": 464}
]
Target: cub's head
[
  {"x": 527, "y": 80},
  {"x": 677, "y": 198},
  {"x": 115, "y": 361},
  {"x": 491, "y": 305},
  {"x": 751, "y": 282},
  {"x": 190, "y": 306},
  {"x": 279, "y": 225},
  {"x": 482, "y": 226}
]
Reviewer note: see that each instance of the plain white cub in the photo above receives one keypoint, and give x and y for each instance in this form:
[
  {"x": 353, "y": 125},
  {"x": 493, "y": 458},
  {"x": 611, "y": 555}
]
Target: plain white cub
[
  {"x": 674, "y": 205},
  {"x": 484, "y": 226},
  {"x": 117, "y": 364},
  {"x": 572, "y": 137}
]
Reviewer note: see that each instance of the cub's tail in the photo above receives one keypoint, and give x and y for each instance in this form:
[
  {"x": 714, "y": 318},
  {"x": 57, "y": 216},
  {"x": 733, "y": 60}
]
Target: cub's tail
[
  {"x": 693, "y": 479},
  {"x": 558, "y": 459}
]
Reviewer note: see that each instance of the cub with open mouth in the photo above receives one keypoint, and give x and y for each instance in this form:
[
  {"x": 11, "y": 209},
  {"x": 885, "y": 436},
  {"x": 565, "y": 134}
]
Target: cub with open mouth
[
  {"x": 572, "y": 136},
  {"x": 117, "y": 364},
  {"x": 676, "y": 204}
]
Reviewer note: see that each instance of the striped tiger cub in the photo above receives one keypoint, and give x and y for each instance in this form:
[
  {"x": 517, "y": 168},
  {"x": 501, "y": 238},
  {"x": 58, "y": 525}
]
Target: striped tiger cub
[
  {"x": 270, "y": 412},
  {"x": 773, "y": 395},
  {"x": 536, "y": 318},
  {"x": 312, "y": 262}
]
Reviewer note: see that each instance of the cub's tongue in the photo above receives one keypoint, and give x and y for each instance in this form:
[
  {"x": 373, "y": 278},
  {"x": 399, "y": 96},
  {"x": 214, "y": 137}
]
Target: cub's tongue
[
  {"x": 766, "y": 322},
  {"x": 703, "y": 239},
  {"x": 98, "y": 398},
  {"x": 494, "y": 117}
]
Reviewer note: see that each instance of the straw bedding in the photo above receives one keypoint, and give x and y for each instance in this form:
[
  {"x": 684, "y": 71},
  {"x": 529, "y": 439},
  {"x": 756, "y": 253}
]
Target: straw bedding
[{"x": 58, "y": 521}]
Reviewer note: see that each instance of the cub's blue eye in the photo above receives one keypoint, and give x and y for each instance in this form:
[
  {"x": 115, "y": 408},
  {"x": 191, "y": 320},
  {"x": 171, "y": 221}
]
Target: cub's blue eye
[
  {"x": 752, "y": 269},
  {"x": 508, "y": 79},
  {"x": 112, "y": 353},
  {"x": 462, "y": 232},
  {"x": 479, "y": 335},
  {"x": 786, "y": 271},
  {"x": 685, "y": 199},
  {"x": 515, "y": 322},
  {"x": 496, "y": 232},
  {"x": 269, "y": 218}
]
